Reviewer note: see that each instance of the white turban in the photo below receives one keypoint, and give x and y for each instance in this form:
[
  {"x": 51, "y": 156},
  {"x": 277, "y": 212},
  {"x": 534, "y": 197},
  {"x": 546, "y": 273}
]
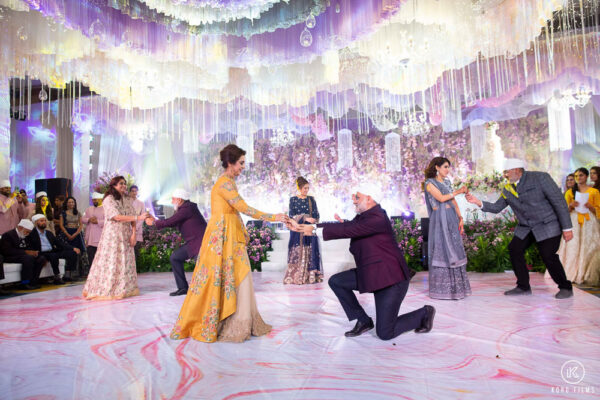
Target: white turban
[
  {"x": 37, "y": 217},
  {"x": 370, "y": 190},
  {"x": 27, "y": 224},
  {"x": 97, "y": 196},
  {"x": 180, "y": 194},
  {"x": 4, "y": 183},
  {"x": 40, "y": 194},
  {"x": 511, "y": 163}
]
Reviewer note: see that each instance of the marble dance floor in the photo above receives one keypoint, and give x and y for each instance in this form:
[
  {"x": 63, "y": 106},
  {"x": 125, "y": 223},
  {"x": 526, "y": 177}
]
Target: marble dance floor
[{"x": 54, "y": 345}]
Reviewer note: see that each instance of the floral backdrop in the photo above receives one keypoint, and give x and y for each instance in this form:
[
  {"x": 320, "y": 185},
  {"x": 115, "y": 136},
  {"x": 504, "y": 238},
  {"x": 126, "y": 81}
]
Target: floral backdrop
[{"x": 269, "y": 181}]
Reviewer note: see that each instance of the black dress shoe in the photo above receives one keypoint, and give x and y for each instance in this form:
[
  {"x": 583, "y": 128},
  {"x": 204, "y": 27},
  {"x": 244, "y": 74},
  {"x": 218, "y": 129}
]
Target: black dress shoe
[
  {"x": 67, "y": 279},
  {"x": 178, "y": 292},
  {"x": 27, "y": 286},
  {"x": 427, "y": 321},
  {"x": 360, "y": 328},
  {"x": 564, "y": 294},
  {"x": 517, "y": 292},
  {"x": 58, "y": 281}
]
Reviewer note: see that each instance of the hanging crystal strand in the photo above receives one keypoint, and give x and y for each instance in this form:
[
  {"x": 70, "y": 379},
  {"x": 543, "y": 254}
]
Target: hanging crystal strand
[
  {"x": 28, "y": 97},
  {"x": 497, "y": 78},
  {"x": 517, "y": 71},
  {"x": 585, "y": 61},
  {"x": 21, "y": 99},
  {"x": 525, "y": 72},
  {"x": 479, "y": 75},
  {"x": 508, "y": 73},
  {"x": 464, "y": 82},
  {"x": 42, "y": 104},
  {"x": 49, "y": 105},
  {"x": 489, "y": 79}
]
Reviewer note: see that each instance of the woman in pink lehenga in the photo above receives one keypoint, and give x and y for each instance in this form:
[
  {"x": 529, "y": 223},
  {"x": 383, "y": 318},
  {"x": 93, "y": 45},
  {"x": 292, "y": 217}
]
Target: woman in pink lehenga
[{"x": 113, "y": 274}]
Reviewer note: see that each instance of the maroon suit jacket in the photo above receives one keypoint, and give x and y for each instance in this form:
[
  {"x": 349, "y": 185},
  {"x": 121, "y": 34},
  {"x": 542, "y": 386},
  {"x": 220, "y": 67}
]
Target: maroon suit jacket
[
  {"x": 190, "y": 223},
  {"x": 379, "y": 261}
]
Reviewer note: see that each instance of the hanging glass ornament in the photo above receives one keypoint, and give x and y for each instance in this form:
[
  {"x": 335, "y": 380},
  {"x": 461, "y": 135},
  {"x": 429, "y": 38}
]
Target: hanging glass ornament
[
  {"x": 126, "y": 38},
  {"x": 168, "y": 38},
  {"x": 43, "y": 95},
  {"x": 52, "y": 25},
  {"x": 22, "y": 33},
  {"x": 306, "y": 38},
  {"x": 344, "y": 149},
  {"x": 470, "y": 100},
  {"x": 311, "y": 21},
  {"x": 337, "y": 8},
  {"x": 230, "y": 106},
  {"x": 97, "y": 31},
  {"x": 393, "y": 156}
]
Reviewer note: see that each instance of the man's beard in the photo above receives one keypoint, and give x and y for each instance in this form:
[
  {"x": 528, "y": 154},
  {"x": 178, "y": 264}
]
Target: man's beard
[
  {"x": 95, "y": 203},
  {"x": 360, "y": 207},
  {"x": 5, "y": 192},
  {"x": 41, "y": 227}
]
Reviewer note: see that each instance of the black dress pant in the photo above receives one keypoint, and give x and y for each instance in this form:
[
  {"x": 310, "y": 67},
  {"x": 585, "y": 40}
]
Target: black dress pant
[
  {"x": 547, "y": 249},
  {"x": 91, "y": 252},
  {"x": 388, "y": 324},
  {"x": 31, "y": 266},
  {"x": 69, "y": 256},
  {"x": 178, "y": 258}
]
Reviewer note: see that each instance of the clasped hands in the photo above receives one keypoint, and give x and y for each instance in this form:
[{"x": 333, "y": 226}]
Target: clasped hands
[{"x": 292, "y": 225}]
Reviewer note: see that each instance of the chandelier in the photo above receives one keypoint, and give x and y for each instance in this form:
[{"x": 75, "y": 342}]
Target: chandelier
[
  {"x": 578, "y": 98},
  {"x": 282, "y": 138},
  {"x": 416, "y": 124}
]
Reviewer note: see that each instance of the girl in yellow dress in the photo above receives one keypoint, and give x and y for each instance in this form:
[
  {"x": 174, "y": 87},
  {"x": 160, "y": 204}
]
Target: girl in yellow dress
[
  {"x": 581, "y": 256},
  {"x": 220, "y": 304}
]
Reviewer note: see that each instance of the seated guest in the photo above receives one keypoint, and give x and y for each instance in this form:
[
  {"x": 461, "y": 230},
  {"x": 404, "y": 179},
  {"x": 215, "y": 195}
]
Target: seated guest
[
  {"x": 93, "y": 219},
  {"x": 191, "y": 224},
  {"x": 13, "y": 246},
  {"x": 12, "y": 209},
  {"x": 42, "y": 206},
  {"x": 52, "y": 249}
]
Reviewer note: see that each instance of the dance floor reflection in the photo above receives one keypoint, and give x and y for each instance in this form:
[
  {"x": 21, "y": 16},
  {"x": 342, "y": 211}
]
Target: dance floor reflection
[{"x": 54, "y": 345}]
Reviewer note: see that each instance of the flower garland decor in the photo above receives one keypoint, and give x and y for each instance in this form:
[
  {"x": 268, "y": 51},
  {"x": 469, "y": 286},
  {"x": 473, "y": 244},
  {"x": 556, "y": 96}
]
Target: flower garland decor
[
  {"x": 101, "y": 185},
  {"x": 483, "y": 183}
]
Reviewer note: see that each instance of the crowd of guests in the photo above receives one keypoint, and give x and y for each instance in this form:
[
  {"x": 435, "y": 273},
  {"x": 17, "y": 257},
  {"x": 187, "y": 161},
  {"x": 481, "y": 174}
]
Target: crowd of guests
[
  {"x": 220, "y": 302},
  {"x": 34, "y": 234}
]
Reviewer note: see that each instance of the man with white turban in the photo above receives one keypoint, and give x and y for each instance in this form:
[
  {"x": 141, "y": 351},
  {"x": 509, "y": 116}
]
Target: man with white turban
[
  {"x": 13, "y": 247},
  {"x": 380, "y": 269},
  {"x": 543, "y": 217},
  {"x": 190, "y": 222},
  {"x": 12, "y": 209}
]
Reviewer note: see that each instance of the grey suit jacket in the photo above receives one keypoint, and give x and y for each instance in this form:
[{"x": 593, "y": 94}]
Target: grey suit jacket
[{"x": 540, "y": 207}]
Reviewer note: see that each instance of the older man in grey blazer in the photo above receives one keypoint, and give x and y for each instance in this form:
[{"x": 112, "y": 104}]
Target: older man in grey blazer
[{"x": 543, "y": 217}]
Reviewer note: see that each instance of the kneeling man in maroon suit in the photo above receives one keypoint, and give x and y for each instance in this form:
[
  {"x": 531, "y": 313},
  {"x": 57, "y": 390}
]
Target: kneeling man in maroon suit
[{"x": 380, "y": 269}]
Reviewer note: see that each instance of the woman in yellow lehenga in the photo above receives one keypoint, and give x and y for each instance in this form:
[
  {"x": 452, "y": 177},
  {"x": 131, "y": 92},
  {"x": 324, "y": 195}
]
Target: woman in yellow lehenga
[
  {"x": 581, "y": 255},
  {"x": 220, "y": 304}
]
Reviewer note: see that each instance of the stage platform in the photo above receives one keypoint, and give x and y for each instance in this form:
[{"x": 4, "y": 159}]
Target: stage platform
[{"x": 54, "y": 345}]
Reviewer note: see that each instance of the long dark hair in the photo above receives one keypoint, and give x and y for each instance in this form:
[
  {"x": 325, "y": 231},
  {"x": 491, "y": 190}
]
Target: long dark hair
[
  {"x": 230, "y": 154},
  {"x": 575, "y": 187},
  {"x": 75, "y": 212},
  {"x": 49, "y": 210},
  {"x": 567, "y": 180},
  {"x": 300, "y": 182},
  {"x": 596, "y": 169},
  {"x": 111, "y": 187},
  {"x": 430, "y": 171}
]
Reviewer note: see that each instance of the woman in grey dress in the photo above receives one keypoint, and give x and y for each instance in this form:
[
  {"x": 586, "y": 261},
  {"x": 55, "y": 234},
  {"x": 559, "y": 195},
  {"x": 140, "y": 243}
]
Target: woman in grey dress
[{"x": 447, "y": 258}]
